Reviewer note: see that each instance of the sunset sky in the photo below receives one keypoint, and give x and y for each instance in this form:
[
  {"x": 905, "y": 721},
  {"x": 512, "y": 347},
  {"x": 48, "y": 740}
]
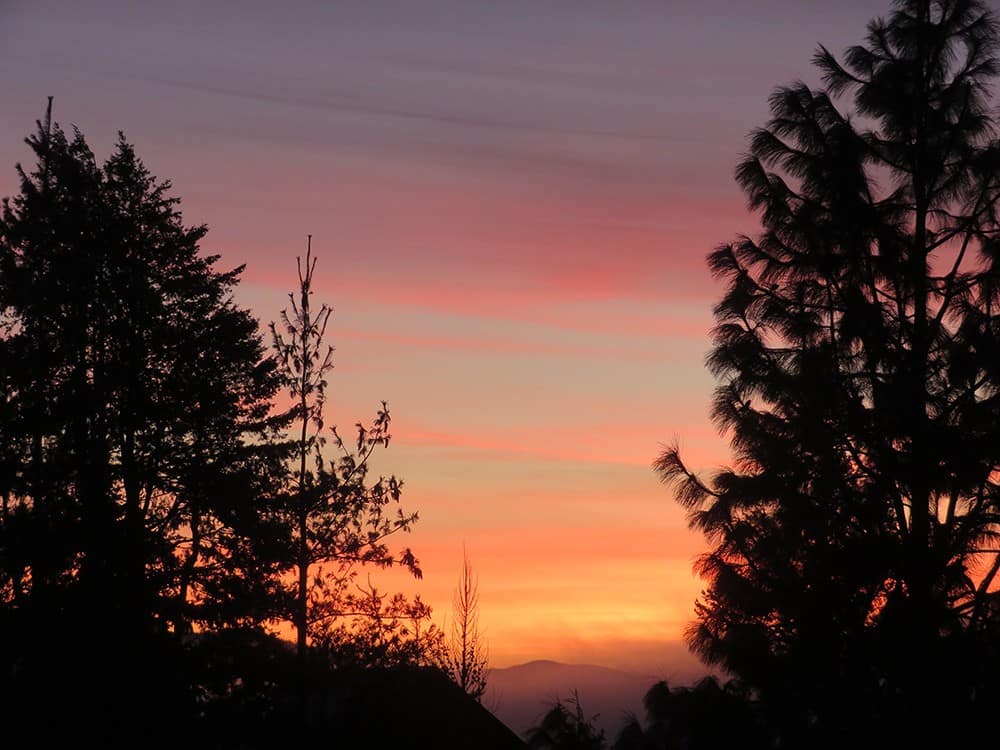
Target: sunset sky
[{"x": 511, "y": 203}]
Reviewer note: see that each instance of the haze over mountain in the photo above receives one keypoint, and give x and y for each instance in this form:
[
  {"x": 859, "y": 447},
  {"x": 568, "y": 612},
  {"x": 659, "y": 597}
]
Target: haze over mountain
[{"x": 521, "y": 694}]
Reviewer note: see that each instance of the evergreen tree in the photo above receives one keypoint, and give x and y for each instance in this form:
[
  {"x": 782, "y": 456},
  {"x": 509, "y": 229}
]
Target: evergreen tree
[
  {"x": 135, "y": 423},
  {"x": 339, "y": 520},
  {"x": 854, "y": 544}
]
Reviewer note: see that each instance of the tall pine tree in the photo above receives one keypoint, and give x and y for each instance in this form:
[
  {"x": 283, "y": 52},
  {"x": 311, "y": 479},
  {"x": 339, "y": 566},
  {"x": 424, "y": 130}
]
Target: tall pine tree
[{"x": 853, "y": 544}]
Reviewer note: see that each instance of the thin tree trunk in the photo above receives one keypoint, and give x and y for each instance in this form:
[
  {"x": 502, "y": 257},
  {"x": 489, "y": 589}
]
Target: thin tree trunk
[{"x": 302, "y": 598}]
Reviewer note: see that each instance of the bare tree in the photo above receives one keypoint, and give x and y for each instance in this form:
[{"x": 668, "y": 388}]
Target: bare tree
[{"x": 465, "y": 658}]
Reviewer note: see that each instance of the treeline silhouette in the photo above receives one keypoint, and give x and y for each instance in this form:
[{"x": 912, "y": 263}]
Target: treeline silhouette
[
  {"x": 160, "y": 515},
  {"x": 708, "y": 714}
]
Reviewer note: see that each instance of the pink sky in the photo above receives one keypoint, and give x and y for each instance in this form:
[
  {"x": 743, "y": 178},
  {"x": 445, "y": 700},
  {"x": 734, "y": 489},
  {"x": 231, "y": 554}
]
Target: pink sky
[{"x": 511, "y": 204}]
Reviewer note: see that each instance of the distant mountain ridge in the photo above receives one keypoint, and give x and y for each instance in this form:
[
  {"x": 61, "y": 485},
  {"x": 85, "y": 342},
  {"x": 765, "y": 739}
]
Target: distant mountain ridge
[{"x": 520, "y": 695}]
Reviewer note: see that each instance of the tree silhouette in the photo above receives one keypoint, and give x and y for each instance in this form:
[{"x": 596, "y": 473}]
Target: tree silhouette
[
  {"x": 854, "y": 543},
  {"x": 706, "y": 716},
  {"x": 382, "y": 631},
  {"x": 566, "y": 727},
  {"x": 465, "y": 657},
  {"x": 339, "y": 521},
  {"x": 305, "y": 366},
  {"x": 135, "y": 423}
]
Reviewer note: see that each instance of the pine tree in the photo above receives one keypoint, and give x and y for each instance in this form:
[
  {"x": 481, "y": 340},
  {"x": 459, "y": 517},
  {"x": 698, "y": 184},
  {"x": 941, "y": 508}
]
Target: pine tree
[
  {"x": 853, "y": 545},
  {"x": 135, "y": 423},
  {"x": 339, "y": 520}
]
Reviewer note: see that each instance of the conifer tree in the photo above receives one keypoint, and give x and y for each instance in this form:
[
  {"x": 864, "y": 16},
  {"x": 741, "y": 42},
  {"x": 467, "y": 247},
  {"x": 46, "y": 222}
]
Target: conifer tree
[
  {"x": 135, "y": 420},
  {"x": 853, "y": 553},
  {"x": 339, "y": 520}
]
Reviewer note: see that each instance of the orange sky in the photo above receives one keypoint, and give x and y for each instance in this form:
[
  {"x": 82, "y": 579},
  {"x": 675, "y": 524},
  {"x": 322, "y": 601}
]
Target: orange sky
[{"x": 511, "y": 204}]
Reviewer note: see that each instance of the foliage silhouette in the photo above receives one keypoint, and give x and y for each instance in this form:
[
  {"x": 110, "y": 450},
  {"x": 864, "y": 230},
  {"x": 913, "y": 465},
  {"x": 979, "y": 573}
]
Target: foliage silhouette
[
  {"x": 706, "y": 716},
  {"x": 854, "y": 544},
  {"x": 465, "y": 656},
  {"x": 339, "y": 521},
  {"x": 384, "y": 632},
  {"x": 566, "y": 727},
  {"x": 149, "y": 505},
  {"x": 135, "y": 430}
]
